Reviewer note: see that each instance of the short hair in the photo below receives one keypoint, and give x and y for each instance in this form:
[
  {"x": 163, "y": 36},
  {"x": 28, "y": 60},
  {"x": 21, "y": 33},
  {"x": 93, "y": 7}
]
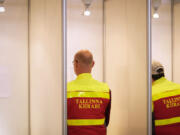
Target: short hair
[
  {"x": 84, "y": 56},
  {"x": 156, "y": 77}
]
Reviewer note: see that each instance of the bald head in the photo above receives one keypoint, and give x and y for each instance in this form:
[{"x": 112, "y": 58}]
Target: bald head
[
  {"x": 83, "y": 62},
  {"x": 84, "y": 57}
]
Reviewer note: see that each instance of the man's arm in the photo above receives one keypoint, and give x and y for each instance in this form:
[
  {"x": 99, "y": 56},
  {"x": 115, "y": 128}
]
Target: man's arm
[{"x": 107, "y": 113}]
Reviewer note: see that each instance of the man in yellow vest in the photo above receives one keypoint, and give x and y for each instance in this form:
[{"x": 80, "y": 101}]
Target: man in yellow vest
[
  {"x": 166, "y": 103},
  {"x": 88, "y": 100}
]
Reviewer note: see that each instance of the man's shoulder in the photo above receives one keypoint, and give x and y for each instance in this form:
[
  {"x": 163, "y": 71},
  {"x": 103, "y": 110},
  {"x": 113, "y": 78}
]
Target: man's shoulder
[
  {"x": 165, "y": 85},
  {"x": 71, "y": 84},
  {"x": 169, "y": 85},
  {"x": 102, "y": 85},
  {"x": 164, "y": 88}
]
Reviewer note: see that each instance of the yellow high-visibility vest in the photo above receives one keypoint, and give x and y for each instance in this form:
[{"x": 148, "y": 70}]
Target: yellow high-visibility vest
[
  {"x": 161, "y": 90},
  {"x": 90, "y": 91}
]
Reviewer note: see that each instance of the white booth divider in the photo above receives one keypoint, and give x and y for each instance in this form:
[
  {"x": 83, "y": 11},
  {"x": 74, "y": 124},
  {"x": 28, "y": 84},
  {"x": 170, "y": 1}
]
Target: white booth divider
[
  {"x": 126, "y": 65},
  {"x": 14, "y": 92},
  {"x": 46, "y": 67}
]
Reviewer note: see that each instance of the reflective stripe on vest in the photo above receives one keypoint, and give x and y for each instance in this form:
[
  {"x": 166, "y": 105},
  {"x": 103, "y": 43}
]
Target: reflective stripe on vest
[
  {"x": 88, "y": 94},
  {"x": 85, "y": 122},
  {"x": 167, "y": 121}
]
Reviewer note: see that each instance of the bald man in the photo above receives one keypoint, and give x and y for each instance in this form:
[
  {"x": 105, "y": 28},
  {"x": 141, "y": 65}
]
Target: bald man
[{"x": 88, "y": 99}]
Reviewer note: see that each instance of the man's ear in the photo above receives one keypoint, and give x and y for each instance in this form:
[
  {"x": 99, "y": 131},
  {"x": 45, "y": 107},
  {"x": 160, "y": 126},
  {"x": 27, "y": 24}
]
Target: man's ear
[
  {"x": 93, "y": 64},
  {"x": 77, "y": 64}
]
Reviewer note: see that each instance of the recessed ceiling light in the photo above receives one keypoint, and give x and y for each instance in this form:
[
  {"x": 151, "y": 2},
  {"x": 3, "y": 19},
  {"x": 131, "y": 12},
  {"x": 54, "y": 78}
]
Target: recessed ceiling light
[
  {"x": 2, "y": 9},
  {"x": 155, "y": 15},
  {"x": 87, "y": 13}
]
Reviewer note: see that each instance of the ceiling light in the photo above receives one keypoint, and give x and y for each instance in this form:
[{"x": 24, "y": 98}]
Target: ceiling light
[
  {"x": 2, "y": 9},
  {"x": 87, "y": 4},
  {"x": 155, "y": 15},
  {"x": 156, "y": 5},
  {"x": 87, "y": 13}
]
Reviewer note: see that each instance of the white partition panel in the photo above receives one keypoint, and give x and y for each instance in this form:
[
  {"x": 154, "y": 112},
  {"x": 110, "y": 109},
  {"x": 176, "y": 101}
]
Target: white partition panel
[
  {"x": 46, "y": 67},
  {"x": 14, "y": 68},
  {"x": 126, "y": 65},
  {"x": 176, "y": 45}
]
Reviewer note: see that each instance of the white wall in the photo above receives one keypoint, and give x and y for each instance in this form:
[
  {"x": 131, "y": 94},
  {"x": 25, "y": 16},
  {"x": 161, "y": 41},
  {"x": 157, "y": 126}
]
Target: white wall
[
  {"x": 85, "y": 33},
  {"x": 162, "y": 38},
  {"x": 14, "y": 68},
  {"x": 46, "y": 67},
  {"x": 126, "y": 65},
  {"x": 176, "y": 45}
]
